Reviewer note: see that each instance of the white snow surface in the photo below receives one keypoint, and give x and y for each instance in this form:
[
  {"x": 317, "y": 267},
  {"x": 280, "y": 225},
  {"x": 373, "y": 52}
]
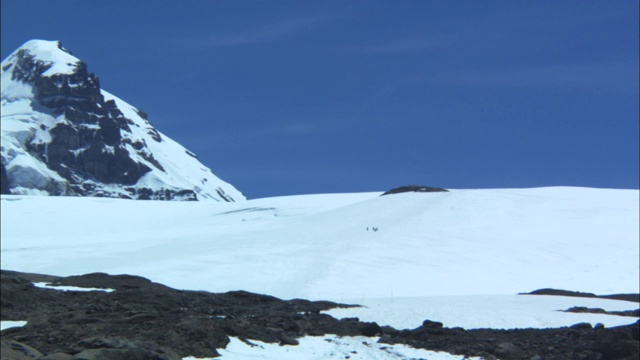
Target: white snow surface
[
  {"x": 62, "y": 62},
  {"x": 9, "y": 324},
  {"x": 485, "y": 311},
  {"x": 458, "y": 257},
  {"x": 22, "y": 124},
  {"x": 329, "y": 347},
  {"x": 462, "y": 242},
  {"x": 46, "y": 285}
]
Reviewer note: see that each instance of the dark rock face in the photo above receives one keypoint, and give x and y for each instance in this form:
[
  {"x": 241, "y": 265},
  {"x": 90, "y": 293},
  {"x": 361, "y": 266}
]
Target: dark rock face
[
  {"x": 414, "y": 188},
  {"x": 145, "y": 320},
  {"x": 4, "y": 181},
  {"x": 89, "y": 145},
  {"x": 11, "y": 349}
]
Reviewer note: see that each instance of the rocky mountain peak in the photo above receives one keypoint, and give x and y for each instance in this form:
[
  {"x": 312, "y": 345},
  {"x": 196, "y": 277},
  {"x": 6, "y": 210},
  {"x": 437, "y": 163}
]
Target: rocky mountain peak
[{"x": 63, "y": 135}]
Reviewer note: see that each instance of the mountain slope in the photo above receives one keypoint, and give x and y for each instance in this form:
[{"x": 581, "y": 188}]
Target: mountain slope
[
  {"x": 63, "y": 135},
  {"x": 472, "y": 245},
  {"x": 462, "y": 242}
]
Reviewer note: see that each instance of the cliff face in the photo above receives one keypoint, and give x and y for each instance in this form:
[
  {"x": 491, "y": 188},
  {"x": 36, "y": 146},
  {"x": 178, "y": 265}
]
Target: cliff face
[
  {"x": 66, "y": 136},
  {"x": 4, "y": 181}
]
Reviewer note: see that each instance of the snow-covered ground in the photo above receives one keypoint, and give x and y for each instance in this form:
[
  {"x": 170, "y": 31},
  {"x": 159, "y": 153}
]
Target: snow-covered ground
[
  {"x": 485, "y": 311},
  {"x": 464, "y": 242},
  {"x": 69, "y": 288},
  {"x": 458, "y": 257},
  {"x": 329, "y": 347},
  {"x": 10, "y": 324}
]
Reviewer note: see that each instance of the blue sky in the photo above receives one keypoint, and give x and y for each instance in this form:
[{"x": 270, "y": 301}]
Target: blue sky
[{"x": 291, "y": 97}]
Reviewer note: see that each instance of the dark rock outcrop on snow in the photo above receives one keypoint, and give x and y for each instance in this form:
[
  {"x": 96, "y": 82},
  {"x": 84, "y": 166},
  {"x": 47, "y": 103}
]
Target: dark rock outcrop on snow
[
  {"x": 145, "y": 320},
  {"x": 583, "y": 309},
  {"x": 575, "y": 342},
  {"x": 414, "y": 188},
  {"x": 151, "y": 316},
  {"x": 4, "y": 181},
  {"x": 557, "y": 292}
]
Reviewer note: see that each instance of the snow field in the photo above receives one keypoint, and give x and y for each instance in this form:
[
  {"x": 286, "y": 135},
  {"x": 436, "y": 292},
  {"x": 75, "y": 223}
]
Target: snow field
[
  {"x": 465, "y": 242},
  {"x": 329, "y": 347},
  {"x": 485, "y": 311},
  {"x": 457, "y": 257}
]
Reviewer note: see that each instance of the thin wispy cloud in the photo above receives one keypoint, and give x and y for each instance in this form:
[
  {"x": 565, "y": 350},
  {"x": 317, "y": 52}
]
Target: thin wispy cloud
[
  {"x": 407, "y": 45},
  {"x": 274, "y": 131},
  {"x": 260, "y": 34},
  {"x": 618, "y": 77}
]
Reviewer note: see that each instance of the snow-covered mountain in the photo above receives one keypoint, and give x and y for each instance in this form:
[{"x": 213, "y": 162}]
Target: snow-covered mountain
[{"x": 63, "y": 135}]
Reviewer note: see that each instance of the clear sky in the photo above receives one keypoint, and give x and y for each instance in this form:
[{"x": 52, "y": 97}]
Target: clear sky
[{"x": 291, "y": 97}]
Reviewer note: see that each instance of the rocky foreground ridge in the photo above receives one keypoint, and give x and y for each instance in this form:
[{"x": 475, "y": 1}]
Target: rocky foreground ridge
[
  {"x": 64, "y": 135},
  {"x": 141, "y": 319}
]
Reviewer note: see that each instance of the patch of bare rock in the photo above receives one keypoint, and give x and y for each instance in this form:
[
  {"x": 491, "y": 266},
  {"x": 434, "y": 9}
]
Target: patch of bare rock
[
  {"x": 557, "y": 292},
  {"x": 414, "y": 188},
  {"x": 143, "y": 320}
]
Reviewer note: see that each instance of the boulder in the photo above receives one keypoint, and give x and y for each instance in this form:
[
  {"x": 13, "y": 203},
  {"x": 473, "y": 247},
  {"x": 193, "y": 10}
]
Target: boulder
[
  {"x": 507, "y": 350},
  {"x": 14, "y": 350},
  {"x": 103, "y": 348}
]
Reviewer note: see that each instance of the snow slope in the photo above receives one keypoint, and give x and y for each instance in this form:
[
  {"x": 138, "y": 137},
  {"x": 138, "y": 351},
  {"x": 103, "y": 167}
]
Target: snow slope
[
  {"x": 458, "y": 257},
  {"x": 458, "y": 243}
]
